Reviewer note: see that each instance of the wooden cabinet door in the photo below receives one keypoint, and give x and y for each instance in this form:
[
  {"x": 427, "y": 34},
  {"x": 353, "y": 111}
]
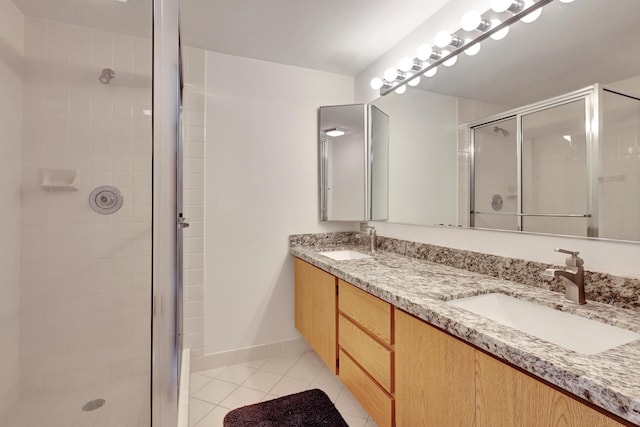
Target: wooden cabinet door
[
  {"x": 316, "y": 306},
  {"x": 508, "y": 397},
  {"x": 434, "y": 376}
]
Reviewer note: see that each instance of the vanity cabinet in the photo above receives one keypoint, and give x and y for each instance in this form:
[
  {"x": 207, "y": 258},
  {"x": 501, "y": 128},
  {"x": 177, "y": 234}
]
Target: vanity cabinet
[
  {"x": 442, "y": 381},
  {"x": 366, "y": 341},
  {"x": 508, "y": 397},
  {"x": 316, "y": 305},
  {"x": 434, "y": 376}
]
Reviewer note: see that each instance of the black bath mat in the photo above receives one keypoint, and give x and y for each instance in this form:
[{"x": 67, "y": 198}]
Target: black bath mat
[{"x": 307, "y": 408}]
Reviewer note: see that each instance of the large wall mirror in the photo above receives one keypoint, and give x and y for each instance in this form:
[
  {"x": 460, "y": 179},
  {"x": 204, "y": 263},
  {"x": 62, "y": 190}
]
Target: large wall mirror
[{"x": 459, "y": 154}]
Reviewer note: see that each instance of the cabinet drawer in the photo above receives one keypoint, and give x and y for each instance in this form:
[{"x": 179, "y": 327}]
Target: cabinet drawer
[
  {"x": 375, "y": 358},
  {"x": 370, "y": 312},
  {"x": 378, "y": 404}
]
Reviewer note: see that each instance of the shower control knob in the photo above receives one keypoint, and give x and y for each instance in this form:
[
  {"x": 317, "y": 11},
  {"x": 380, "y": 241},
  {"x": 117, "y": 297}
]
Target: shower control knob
[{"x": 106, "y": 200}]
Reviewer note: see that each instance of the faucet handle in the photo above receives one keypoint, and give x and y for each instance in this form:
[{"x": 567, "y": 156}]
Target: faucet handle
[
  {"x": 566, "y": 251},
  {"x": 574, "y": 260}
]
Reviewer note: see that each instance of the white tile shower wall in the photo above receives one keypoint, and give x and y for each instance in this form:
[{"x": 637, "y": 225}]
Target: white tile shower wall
[
  {"x": 194, "y": 155},
  {"x": 261, "y": 162},
  {"x": 86, "y": 280},
  {"x": 11, "y": 53}
]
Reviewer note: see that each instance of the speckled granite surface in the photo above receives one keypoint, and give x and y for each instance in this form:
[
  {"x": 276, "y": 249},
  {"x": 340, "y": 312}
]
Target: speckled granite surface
[
  {"x": 622, "y": 292},
  {"x": 407, "y": 278}
]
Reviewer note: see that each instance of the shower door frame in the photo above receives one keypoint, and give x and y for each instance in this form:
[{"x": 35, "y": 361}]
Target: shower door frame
[
  {"x": 593, "y": 116},
  {"x": 166, "y": 239}
]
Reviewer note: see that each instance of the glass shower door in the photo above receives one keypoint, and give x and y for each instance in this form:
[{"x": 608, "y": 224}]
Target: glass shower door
[
  {"x": 618, "y": 183},
  {"x": 495, "y": 182},
  {"x": 75, "y": 291},
  {"x": 554, "y": 170}
]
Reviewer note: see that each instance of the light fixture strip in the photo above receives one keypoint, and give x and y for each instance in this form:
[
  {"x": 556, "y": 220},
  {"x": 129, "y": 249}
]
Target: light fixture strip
[{"x": 386, "y": 89}]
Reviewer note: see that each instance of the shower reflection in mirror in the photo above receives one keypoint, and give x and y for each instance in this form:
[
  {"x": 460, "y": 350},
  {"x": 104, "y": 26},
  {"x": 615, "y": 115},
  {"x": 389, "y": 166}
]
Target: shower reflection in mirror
[{"x": 569, "y": 165}]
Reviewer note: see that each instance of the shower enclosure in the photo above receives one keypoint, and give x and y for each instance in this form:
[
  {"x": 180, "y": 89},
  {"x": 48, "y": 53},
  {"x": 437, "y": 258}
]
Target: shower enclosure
[
  {"x": 88, "y": 249},
  {"x": 569, "y": 165}
]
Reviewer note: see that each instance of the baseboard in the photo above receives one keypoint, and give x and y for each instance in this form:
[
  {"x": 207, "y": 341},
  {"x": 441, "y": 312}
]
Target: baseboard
[{"x": 248, "y": 354}]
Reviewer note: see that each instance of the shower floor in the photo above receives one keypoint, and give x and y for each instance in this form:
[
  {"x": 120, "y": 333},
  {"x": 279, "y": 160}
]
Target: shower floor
[{"x": 127, "y": 405}]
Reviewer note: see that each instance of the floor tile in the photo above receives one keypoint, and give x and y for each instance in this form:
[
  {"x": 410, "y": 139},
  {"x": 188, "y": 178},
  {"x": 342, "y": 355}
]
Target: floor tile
[
  {"x": 279, "y": 365},
  {"x": 243, "y": 384},
  {"x": 288, "y": 385},
  {"x": 262, "y": 380},
  {"x": 331, "y": 392},
  {"x": 236, "y": 374},
  {"x": 325, "y": 376},
  {"x": 198, "y": 409},
  {"x": 242, "y": 396},
  {"x": 213, "y": 418},
  {"x": 347, "y": 404},
  {"x": 215, "y": 391},
  {"x": 213, "y": 373},
  {"x": 304, "y": 371},
  {"x": 269, "y": 397},
  {"x": 311, "y": 357},
  {"x": 197, "y": 381},
  {"x": 354, "y": 421},
  {"x": 256, "y": 363},
  {"x": 371, "y": 423}
]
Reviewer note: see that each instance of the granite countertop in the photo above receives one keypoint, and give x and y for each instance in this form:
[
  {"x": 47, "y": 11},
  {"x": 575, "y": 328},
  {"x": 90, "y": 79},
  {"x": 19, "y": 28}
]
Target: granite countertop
[{"x": 610, "y": 380}]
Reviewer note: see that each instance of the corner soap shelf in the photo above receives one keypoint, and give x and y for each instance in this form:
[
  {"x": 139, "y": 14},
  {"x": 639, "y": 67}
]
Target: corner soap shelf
[{"x": 59, "y": 180}]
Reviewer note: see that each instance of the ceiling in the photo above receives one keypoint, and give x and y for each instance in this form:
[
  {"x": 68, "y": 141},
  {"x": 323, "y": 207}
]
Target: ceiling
[
  {"x": 330, "y": 35},
  {"x": 132, "y": 17},
  {"x": 341, "y": 36},
  {"x": 570, "y": 46}
]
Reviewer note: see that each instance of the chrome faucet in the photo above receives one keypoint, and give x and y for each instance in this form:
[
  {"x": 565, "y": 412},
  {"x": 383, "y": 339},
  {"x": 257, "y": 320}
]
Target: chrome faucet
[
  {"x": 572, "y": 275},
  {"x": 371, "y": 232},
  {"x": 373, "y": 237}
]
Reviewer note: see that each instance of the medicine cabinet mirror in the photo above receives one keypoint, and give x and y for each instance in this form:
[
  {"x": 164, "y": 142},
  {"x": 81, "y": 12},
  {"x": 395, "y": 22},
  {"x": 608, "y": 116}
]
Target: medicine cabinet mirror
[{"x": 353, "y": 152}]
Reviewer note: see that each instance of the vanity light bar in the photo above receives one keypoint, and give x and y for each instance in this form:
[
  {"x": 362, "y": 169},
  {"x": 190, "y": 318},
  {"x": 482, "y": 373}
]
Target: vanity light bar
[{"x": 445, "y": 57}]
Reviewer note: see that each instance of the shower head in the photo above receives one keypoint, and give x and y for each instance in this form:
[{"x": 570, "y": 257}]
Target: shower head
[
  {"x": 504, "y": 132},
  {"x": 106, "y": 76}
]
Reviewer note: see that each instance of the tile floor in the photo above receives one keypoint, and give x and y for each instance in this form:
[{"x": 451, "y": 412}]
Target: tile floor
[{"x": 216, "y": 392}]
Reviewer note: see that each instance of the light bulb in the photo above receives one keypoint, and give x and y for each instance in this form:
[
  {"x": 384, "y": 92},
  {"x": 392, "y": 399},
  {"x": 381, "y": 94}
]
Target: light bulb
[
  {"x": 414, "y": 82},
  {"x": 566, "y": 1},
  {"x": 443, "y": 38},
  {"x": 390, "y": 74},
  {"x": 432, "y": 72},
  {"x": 471, "y": 20},
  {"x": 501, "y": 5},
  {"x": 405, "y": 64},
  {"x": 402, "y": 89},
  {"x": 376, "y": 83},
  {"x": 473, "y": 49},
  {"x": 533, "y": 15},
  {"x": 424, "y": 52},
  {"x": 449, "y": 62},
  {"x": 500, "y": 34}
]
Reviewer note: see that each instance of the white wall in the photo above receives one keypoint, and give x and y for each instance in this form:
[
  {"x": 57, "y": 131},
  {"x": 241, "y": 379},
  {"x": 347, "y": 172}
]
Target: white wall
[
  {"x": 261, "y": 186},
  {"x": 86, "y": 277},
  {"x": 11, "y": 53}
]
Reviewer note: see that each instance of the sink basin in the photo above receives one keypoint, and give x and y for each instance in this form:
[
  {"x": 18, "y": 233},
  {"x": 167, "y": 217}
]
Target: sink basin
[
  {"x": 573, "y": 332},
  {"x": 345, "y": 255}
]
